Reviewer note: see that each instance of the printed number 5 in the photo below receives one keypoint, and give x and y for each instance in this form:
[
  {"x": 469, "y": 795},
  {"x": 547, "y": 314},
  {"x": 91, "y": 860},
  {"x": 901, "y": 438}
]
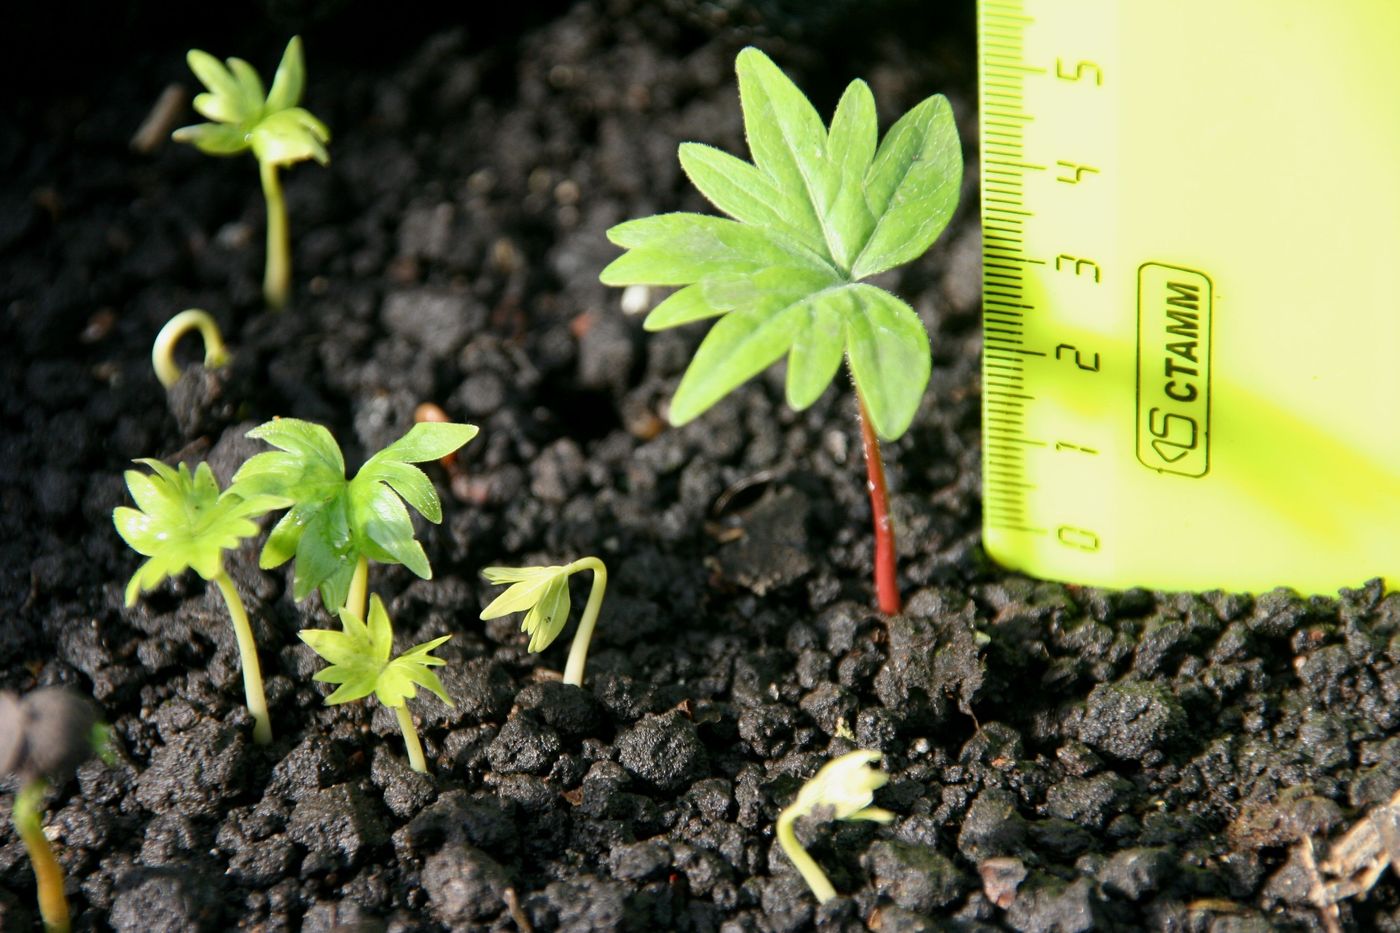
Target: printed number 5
[{"x": 1080, "y": 70}]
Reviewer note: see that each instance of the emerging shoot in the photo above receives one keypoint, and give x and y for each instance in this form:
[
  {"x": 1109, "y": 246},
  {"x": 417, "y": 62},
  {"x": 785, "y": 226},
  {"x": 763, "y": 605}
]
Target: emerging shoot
[
  {"x": 184, "y": 522},
  {"x": 817, "y": 211},
  {"x": 542, "y": 593},
  {"x": 845, "y": 787},
  {"x": 273, "y": 126},
  {"x": 43, "y": 739},
  {"x": 335, "y": 526},
  {"x": 359, "y": 663},
  {"x": 163, "y": 351}
]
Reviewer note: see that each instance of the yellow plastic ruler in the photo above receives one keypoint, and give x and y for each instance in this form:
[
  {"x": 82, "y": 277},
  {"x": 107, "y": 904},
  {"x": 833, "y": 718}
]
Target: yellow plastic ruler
[{"x": 1191, "y": 236}]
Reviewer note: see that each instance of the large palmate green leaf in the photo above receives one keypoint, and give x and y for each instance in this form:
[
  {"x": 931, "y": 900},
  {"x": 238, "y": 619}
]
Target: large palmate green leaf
[
  {"x": 334, "y": 521},
  {"x": 818, "y": 210}
]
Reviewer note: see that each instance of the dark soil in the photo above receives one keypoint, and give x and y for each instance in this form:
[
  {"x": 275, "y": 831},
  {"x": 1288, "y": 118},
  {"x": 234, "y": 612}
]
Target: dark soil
[{"x": 1062, "y": 758}]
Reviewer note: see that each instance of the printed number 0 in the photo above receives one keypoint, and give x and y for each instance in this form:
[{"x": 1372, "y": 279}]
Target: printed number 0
[{"x": 1081, "y": 538}]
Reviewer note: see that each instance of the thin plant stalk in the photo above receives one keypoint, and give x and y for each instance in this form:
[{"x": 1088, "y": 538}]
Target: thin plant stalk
[
  {"x": 806, "y": 865},
  {"x": 248, "y": 653},
  {"x": 410, "y": 739},
  {"x": 163, "y": 350},
  {"x": 356, "y": 599},
  {"x": 578, "y": 651},
  {"x": 48, "y": 874},
  {"x": 277, "y": 279},
  {"x": 886, "y": 585}
]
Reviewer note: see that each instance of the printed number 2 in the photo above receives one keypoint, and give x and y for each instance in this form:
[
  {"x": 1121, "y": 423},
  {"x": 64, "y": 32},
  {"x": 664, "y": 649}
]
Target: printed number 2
[
  {"x": 1078, "y": 361},
  {"x": 1081, "y": 69}
]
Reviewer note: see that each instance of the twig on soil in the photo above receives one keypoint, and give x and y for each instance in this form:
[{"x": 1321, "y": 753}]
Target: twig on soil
[
  {"x": 522, "y": 922},
  {"x": 1355, "y": 862},
  {"x": 164, "y": 112}
]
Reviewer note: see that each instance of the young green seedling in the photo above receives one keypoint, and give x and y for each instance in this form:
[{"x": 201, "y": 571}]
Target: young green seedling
[
  {"x": 845, "y": 786},
  {"x": 272, "y": 125},
  {"x": 818, "y": 211},
  {"x": 335, "y": 526},
  {"x": 542, "y": 593},
  {"x": 163, "y": 350},
  {"x": 359, "y": 663},
  {"x": 184, "y": 522},
  {"x": 44, "y": 737}
]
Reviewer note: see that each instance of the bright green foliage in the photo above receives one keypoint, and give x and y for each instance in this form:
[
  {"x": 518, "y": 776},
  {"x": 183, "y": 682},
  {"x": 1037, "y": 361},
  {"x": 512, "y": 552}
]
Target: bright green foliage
[
  {"x": 359, "y": 660},
  {"x": 272, "y": 125},
  {"x": 182, "y": 521},
  {"x": 817, "y": 211},
  {"x": 334, "y": 521},
  {"x": 543, "y": 591}
]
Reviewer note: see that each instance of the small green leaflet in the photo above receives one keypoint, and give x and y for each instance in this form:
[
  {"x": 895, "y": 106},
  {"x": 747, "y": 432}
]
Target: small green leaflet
[
  {"x": 272, "y": 125},
  {"x": 542, "y": 593},
  {"x": 359, "y": 661},
  {"x": 817, "y": 211},
  {"x": 183, "y": 522},
  {"x": 333, "y": 521}
]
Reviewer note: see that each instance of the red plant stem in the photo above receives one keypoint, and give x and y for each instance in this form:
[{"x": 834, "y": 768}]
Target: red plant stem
[{"x": 886, "y": 587}]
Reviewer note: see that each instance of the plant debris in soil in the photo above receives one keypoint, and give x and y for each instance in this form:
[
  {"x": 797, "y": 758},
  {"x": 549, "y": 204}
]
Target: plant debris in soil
[{"x": 1061, "y": 758}]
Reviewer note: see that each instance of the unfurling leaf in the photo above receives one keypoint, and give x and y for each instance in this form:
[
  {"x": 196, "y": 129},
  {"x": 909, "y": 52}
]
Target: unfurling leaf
[
  {"x": 359, "y": 660},
  {"x": 182, "y": 521},
  {"x": 243, "y": 117},
  {"x": 334, "y": 521},
  {"x": 542, "y": 593}
]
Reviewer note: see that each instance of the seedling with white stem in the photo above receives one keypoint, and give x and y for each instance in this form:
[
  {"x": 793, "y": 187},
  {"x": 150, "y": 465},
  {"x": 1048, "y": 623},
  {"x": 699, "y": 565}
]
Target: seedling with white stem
[
  {"x": 360, "y": 665},
  {"x": 182, "y": 522},
  {"x": 277, "y": 131},
  {"x": 542, "y": 593},
  {"x": 845, "y": 787}
]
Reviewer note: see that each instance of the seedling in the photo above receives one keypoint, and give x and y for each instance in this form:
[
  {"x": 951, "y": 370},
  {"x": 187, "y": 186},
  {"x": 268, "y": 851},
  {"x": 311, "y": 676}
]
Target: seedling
[
  {"x": 360, "y": 665},
  {"x": 43, "y": 739},
  {"x": 335, "y": 526},
  {"x": 818, "y": 211},
  {"x": 542, "y": 593},
  {"x": 273, "y": 126},
  {"x": 184, "y": 522},
  {"x": 163, "y": 350},
  {"x": 845, "y": 787}
]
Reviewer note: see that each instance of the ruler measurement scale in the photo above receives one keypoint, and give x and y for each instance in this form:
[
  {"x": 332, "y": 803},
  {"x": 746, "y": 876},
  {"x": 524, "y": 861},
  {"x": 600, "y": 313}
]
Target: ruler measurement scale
[
  {"x": 1190, "y": 327},
  {"x": 1004, "y": 262}
]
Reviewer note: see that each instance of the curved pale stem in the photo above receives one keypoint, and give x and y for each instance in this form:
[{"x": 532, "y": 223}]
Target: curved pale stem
[
  {"x": 163, "y": 350},
  {"x": 811, "y": 872},
  {"x": 357, "y": 597},
  {"x": 277, "y": 279},
  {"x": 48, "y": 874},
  {"x": 248, "y": 655},
  {"x": 578, "y": 651},
  {"x": 410, "y": 739}
]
